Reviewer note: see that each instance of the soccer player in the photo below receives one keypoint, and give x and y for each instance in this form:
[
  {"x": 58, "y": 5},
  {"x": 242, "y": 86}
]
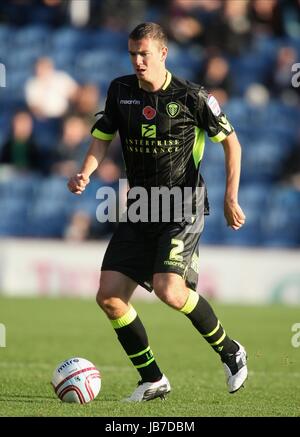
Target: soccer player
[{"x": 161, "y": 120}]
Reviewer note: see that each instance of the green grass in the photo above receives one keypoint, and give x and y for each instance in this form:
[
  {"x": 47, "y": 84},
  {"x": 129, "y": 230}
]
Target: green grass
[{"x": 43, "y": 332}]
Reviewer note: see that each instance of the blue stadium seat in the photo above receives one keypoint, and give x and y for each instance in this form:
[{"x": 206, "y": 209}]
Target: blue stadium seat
[
  {"x": 248, "y": 235},
  {"x": 13, "y": 217},
  {"x": 23, "y": 60},
  {"x": 281, "y": 224},
  {"x": 249, "y": 68},
  {"x": 32, "y": 36},
  {"x": 238, "y": 112},
  {"x": 67, "y": 38},
  {"x": 106, "y": 38},
  {"x": 214, "y": 226},
  {"x": 97, "y": 66},
  {"x": 19, "y": 186},
  {"x": 262, "y": 160}
]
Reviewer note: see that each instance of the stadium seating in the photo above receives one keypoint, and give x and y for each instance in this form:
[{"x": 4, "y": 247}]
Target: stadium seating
[{"x": 41, "y": 206}]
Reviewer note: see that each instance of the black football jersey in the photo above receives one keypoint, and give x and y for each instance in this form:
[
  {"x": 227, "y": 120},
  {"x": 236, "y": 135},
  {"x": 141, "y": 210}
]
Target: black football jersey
[{"x": 163, "y": 132}]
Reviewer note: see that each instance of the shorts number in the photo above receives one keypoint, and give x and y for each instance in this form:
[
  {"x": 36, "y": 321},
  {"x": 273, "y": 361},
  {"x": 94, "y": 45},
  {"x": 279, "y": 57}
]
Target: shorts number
[{"x": 176, "y": 251}]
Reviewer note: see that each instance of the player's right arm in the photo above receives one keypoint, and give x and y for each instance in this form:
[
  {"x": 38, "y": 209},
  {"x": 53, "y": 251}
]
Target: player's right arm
[{"x": 93, "y": 159}]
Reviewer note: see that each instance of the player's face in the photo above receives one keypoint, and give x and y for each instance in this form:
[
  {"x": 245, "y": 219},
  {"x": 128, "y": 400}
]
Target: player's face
[{"x": 148, "y": 58}]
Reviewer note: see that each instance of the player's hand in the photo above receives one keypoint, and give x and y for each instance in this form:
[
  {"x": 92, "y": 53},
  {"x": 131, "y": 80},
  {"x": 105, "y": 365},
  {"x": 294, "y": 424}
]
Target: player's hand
[
  {"x": 78, "y": 183},
  {"x": 234, "y": 215}
]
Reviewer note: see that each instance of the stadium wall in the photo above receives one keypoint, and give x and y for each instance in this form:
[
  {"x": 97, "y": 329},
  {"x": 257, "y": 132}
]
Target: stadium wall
[{"x": 227, "y": 274}]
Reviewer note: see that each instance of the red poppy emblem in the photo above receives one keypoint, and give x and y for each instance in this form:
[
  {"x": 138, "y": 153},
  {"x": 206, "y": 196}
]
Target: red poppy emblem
[{"x": 149, "y": 112}]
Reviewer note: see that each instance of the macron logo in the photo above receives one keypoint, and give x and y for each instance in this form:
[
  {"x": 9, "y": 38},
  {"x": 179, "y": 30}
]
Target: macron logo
[{"x": 130, "y": 102}]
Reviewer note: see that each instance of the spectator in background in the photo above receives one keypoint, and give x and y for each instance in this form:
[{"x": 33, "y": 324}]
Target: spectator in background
[
  {"x": 215, "y": 77},
  {"x": 291, "y": 167},
  {"x": 79, "y": 227},
  {"x": 266, "y": 18},
  {"x": 182, "y": 23},
  {"x": 280, "y": 81},
  {"x": 20, "y": 151},
  {"x": 72, "y": 148},
  {"x": 87, "y": 102},
  {"x": 230, "y": 31},
  {"x": 49, "y": 93},
  {"x": 118, "y": 15},
  {"x": 290, "y": 11}
]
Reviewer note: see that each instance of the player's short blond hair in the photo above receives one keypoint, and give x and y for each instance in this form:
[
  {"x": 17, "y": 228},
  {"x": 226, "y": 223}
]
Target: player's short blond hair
[{"x": 149, "y": 30}]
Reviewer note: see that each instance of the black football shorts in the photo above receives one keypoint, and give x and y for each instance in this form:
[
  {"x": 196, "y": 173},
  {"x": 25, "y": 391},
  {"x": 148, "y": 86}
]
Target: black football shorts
[{"x": 138, "y": 250}]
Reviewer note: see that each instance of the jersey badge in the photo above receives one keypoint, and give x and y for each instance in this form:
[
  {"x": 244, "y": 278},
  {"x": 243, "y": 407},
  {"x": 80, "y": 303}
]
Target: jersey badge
[{"x": 173, "y": 109}]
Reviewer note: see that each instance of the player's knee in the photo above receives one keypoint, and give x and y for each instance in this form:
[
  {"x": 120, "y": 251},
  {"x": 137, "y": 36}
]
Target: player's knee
[
  {"x": 113, "y": 306},
  {"x": 169, "y": 294},
  {"x": 106, "y": 303}
]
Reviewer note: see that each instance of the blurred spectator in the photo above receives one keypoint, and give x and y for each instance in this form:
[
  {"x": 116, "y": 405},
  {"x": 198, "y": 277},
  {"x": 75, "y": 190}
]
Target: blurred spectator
[
  {"x": 215, "y": 77},
  {"x": 257, "y": 95},
  {"x": 24, "y": 12},
  {"x": 230, "y": 31},
  {"x": 87, "y": 102},
  {"x": 79, "y": 226},
  {"x": 118, "y": 15},
  {"x": 291, "y": 168},
  {"x": 79, "y": 11},
  {"x": 108, "y": 172},
  {"x": 182, "y": 25},
  {"x": 266, "y": 18},
  {"x": 72, "y": 148},
  {"x": 20, "y": 151},
  {"x": 280, "y": 81},
  {"x": 50, "y": 91},
  {"x": 290, "y": 10}
]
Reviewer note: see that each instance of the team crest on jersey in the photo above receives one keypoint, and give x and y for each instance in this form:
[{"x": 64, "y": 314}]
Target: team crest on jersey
[
  {"x": 149, "y": 112},
  {"x": 173, "y": 109}
]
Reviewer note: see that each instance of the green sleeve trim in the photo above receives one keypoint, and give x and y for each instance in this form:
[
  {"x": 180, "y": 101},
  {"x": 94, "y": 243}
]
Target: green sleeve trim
[
  {"x": 219, "y": 137},
  {"x": 198, "y": 147},
  {"x": 102, "y": 135}
]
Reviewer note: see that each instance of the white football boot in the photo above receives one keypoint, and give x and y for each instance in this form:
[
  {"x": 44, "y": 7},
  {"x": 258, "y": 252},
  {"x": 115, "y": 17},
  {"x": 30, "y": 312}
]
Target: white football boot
[
  {"x": 146, "y": 391},
  {"x": 235, "y": 368}
]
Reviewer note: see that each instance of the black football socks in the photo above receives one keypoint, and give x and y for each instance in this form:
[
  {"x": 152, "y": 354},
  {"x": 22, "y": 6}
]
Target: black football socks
[
  {"x": 202, "y": 316},
  {"x": 133, "y": 337}
]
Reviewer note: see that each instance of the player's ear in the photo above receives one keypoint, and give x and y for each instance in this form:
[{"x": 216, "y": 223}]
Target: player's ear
[{"x": 164, "y": 52}]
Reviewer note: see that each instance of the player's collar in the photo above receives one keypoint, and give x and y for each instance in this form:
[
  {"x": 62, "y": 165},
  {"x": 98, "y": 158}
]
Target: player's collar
[{"x": 166, "y": 83}]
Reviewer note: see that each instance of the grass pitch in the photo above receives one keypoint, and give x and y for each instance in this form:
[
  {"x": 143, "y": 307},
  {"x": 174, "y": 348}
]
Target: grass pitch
[{"x": 40, "y": 333}]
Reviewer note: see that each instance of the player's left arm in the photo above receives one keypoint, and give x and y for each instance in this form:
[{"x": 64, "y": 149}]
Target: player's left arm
[{"x": 233, "y": 213}]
